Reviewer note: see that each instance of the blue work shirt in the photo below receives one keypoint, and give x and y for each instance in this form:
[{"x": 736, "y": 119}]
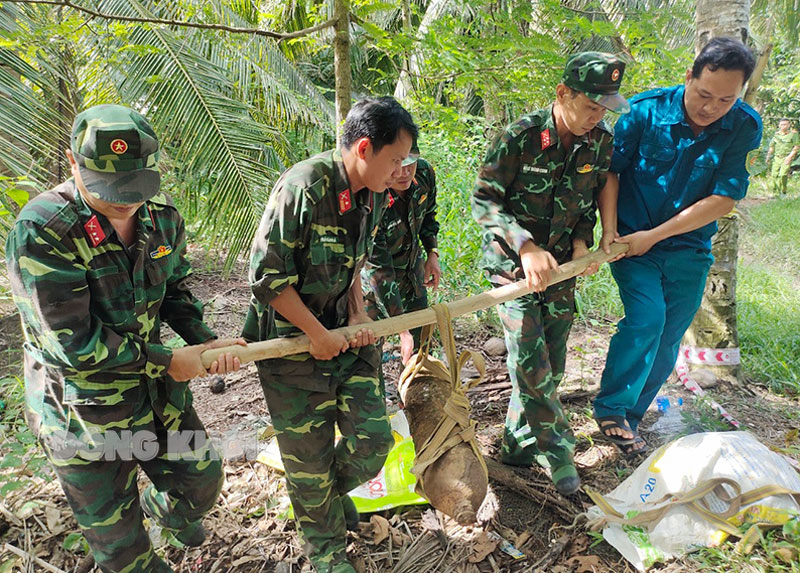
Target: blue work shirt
[{"x": 664, "y": 168}]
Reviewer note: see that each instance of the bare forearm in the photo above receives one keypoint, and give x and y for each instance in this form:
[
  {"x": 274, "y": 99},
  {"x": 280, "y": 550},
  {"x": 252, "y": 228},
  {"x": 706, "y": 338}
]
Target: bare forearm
[
  {"x": 607, "y": 203},
  {"x": 698, "y": 215}
]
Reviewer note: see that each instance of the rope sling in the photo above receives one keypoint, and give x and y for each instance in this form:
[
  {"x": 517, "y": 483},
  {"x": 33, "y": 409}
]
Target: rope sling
[{"x": 455, "y": 426}]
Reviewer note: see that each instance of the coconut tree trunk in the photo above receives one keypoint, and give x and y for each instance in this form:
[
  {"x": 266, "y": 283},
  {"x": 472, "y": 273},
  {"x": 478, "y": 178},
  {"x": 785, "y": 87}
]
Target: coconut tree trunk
[
  {"x": 714, "y": 325},
  {"x": 716, "y": 18},
  {"x": 341, "y": 61}
]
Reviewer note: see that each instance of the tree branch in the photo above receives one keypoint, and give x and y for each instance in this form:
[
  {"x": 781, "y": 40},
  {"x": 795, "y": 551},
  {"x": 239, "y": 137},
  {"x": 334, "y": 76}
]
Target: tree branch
[{"x": 280, "y": 36}]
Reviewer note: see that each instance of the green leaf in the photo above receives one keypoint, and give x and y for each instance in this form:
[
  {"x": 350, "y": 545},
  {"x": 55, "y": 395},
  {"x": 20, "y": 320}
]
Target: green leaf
[
  {"x": 10, "y": 486},
  {"x": 19, "y": 196},
  {"x": 11, "y": 461},
  {"x": 75, "y": 542}
]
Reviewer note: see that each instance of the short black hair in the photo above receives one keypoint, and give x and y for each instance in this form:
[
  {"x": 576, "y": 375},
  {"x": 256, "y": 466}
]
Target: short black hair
[
  {"x": 726, "y": 53},
  {"x": 380, "y": 119}
]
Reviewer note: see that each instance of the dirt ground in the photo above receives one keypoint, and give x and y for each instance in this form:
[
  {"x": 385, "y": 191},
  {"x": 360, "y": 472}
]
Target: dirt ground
[{"x": 247, "y": 532}]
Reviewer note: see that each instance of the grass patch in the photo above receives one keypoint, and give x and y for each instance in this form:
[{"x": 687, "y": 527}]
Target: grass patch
[
  {"x": 769, "y": 323},
  {"x": 769, "y": 234},
  {"x": 21, "y": 459},
  {"x": 775, "y": 551},
  {"x": 768, "y": 295}
]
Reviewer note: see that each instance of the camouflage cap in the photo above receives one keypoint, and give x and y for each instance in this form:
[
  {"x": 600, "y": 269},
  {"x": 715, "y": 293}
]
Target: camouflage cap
[
  {"x": 413, "y": 155},
  {"x": 598, "y": 75},
  {"x": 117, "y": 152}
]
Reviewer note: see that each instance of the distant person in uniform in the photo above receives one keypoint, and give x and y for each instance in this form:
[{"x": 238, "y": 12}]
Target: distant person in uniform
[
  {"x": 95, "y": 265},
  {"x": 305, "y": 274},
  {"x": 782, "y": 150},
  {"x": 536, "y": 197},
  {"x": 680, "y": 157},
  {"x": 405, "y": 259}
]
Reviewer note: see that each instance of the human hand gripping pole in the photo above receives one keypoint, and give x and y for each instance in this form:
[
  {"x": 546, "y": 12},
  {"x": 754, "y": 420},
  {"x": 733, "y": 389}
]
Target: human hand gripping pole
[{"x": 279, "y": 347}]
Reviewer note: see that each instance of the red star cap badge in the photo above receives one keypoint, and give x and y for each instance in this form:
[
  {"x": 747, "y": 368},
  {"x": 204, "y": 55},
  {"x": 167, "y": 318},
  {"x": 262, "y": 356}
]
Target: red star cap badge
[{"x": 119, "y": 146}]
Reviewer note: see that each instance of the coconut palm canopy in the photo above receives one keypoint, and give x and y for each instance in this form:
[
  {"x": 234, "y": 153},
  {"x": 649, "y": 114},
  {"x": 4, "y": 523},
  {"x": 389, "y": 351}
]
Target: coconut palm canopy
[{"x": 234, "y": 109}]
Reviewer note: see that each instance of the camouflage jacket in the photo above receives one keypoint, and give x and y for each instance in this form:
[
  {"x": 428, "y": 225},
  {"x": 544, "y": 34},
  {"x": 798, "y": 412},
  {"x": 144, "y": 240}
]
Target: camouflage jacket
[
  {"x": 531, "y": 187},
  {"x": 314, "y": 235},
  {"x": 397, "y": 244},
  {"x": 91, "y": 308}
]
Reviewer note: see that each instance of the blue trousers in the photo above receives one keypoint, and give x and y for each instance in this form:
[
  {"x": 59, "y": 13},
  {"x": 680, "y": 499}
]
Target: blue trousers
[{"x": 661, "y": 292}]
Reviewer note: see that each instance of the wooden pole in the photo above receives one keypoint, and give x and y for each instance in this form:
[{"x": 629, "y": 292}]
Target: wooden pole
[{"x": 279, "y": 347}]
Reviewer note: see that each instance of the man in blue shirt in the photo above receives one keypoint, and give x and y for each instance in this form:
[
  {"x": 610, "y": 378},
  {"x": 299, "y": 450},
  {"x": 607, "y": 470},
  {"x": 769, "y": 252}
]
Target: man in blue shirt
[{"x": 680, "y": 159}]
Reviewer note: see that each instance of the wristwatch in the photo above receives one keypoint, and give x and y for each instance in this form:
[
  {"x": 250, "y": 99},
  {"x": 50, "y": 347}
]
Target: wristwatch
[{"x": 434, "y": 250}]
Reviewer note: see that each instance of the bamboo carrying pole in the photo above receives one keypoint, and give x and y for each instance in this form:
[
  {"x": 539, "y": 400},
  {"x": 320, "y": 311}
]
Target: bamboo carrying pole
[{"x": 279, "y": 347}]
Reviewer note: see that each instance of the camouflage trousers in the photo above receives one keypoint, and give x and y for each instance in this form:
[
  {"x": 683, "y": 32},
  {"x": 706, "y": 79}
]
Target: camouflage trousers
[
  {"x": 779, "y": 175},
  {"x": 101, "y": 488},
  {"x": 318, "y": 473},
  {"x": 536, "y": 329},
  {"x": 413, "y": 296}
]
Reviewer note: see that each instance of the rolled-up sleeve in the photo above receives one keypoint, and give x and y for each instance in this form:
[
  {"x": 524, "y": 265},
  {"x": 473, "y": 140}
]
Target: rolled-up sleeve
[{"x": 731, "y": 178}]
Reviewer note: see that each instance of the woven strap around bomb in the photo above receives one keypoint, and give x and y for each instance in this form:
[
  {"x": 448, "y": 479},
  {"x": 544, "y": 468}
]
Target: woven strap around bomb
[{"x": 455, "y": 425}]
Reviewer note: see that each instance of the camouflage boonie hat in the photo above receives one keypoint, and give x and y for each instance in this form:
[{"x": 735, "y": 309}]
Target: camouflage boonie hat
[
  {"x": 117, "y": 152},
  {"x": 413, "y": 155},
  {"x": 598, "y": 75}
]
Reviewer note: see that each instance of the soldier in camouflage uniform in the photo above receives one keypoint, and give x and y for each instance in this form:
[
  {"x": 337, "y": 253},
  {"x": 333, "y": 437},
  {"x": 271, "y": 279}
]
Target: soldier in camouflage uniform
[
  {"x": 782, "y": 150},
  {"x": 536, "y": 196},
  {"x": 313, "y": 240},
  {"x": 95, "y": 264},
  {"x": 396, "y": 275}
]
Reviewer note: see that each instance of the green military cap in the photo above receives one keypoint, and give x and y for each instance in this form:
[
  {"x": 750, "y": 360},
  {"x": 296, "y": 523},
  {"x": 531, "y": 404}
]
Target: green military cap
[
  {"x": 598, "y": 75},
  {"x": 117, "y": 151},
  {"x": 413, "y": 155}
]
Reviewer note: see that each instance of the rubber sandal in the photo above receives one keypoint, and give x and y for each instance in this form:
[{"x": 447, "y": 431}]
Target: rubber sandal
[
  {"x": 628, "y": 450},
  {"x": 605, "y": 423}
]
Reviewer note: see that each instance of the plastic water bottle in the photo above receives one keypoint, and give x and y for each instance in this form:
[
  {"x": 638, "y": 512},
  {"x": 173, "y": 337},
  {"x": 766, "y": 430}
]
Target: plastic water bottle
[{"x": 670, "y": 422}]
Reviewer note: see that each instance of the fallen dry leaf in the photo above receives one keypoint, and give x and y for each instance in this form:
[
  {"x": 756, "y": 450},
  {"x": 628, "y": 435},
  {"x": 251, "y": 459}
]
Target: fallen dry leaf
[
  {"x": 585, "y": 563},
  {"x": 53, "y": 518},
  {"x": 522, "y": 539},
  {"x": 380, "y": 528},
  {"x": 787, "y": 554},
  {"x": 399, "y": 539},
  {"x": 579, "y": 545},
  {"x": 481, "y": 547}
]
